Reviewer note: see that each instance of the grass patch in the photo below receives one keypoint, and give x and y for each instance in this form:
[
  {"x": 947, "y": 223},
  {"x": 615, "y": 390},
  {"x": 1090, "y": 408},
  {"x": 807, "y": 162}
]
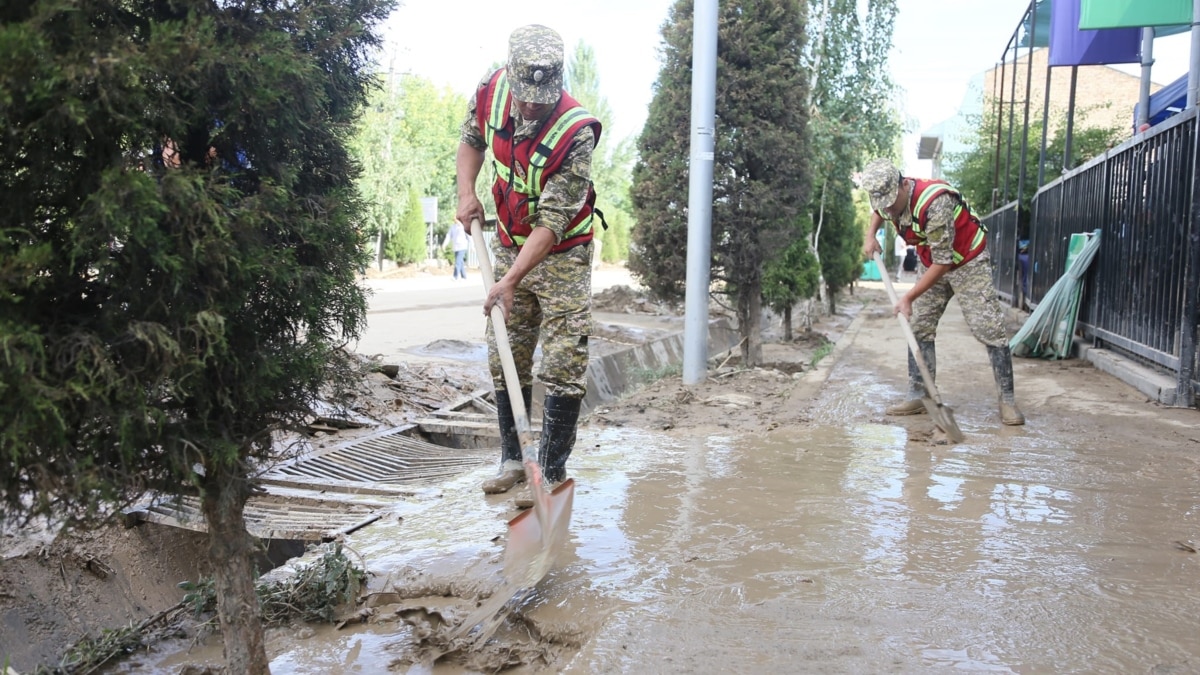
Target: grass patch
[
  {"x": 650, "y": 375},
  {"x": 821, "y": 352}
]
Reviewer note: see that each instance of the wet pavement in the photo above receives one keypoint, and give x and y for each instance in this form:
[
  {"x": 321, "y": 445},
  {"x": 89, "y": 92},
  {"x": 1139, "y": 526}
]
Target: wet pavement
[{"x": 852, "y": 543}]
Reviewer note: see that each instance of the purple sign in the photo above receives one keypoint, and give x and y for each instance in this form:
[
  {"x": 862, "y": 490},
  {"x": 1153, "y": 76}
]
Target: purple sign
[{"x": 1070, "y": 46}]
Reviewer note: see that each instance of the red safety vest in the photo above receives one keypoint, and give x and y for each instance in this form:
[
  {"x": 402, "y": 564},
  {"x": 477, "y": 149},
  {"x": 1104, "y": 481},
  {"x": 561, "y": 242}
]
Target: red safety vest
[
  {"x": 970, "y": 236},
  {"x": 523, "y": 168}
]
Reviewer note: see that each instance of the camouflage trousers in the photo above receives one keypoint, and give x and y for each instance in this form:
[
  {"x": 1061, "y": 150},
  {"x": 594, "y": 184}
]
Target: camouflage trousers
[
  {"x": 972, "y": 283},
  {"x": 553, "y": 302}
]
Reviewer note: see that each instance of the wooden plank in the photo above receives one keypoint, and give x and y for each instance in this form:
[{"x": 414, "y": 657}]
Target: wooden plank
[{"x": 458, "y": 427}]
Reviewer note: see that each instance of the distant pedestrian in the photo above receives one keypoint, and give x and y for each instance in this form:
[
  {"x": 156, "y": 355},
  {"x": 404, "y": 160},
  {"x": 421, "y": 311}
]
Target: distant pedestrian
[
  {"x": 541, "y": 142},
  {"x": 1023, "y": 269},
  {"x": 952, "y": 246},
  {"x": 461, "y": 243}
]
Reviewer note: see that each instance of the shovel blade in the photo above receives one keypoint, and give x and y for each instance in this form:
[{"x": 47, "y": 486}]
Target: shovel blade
[
  {"x": 536, "y": 535},
  {"x": 943, "y": 417}
]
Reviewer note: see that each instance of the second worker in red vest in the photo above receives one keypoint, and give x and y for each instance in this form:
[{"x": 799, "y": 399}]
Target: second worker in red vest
[
  {"x": 541, "y": 141},
  {"x": 952, "y": 247}
]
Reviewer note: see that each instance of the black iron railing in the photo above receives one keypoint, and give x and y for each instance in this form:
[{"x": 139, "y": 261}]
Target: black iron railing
[
  {"x": 1003, "y": 234},
  {"x": 1140, "y": 296}
]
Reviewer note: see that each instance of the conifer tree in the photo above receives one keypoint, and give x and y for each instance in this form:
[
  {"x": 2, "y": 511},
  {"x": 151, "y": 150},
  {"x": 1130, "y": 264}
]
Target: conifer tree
[
  {"x": 178, "y": 252},
  {"x": 760, "y": 172}
]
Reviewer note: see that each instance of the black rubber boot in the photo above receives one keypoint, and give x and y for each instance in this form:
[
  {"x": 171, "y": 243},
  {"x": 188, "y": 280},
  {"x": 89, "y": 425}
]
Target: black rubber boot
[
  {"x": 510, "y": 442},
  {"x": 913, "y": 405},
  {"x": 511, "y": 470},
  {"x": 560, "y": 416},
  {"x": 559, "y": 420},
  {"x": 1001, "y": 358}
]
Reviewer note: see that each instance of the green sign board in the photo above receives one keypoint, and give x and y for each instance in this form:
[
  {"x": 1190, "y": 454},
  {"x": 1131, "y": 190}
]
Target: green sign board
[{"x": 1097, "y": 14}]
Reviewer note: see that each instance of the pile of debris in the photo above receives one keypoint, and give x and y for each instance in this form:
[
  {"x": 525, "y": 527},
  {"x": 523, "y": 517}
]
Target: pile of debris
[
  {"x": 626, "y": 300},
  {"x": 365, "y": 392}
]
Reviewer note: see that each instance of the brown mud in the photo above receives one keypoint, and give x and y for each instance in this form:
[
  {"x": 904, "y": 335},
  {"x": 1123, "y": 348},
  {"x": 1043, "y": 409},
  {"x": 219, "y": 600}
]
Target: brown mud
[{"x": 771, "y": 519}]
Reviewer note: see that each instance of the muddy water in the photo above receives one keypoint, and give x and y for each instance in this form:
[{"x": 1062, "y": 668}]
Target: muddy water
[{"x": 823, "y": 548}]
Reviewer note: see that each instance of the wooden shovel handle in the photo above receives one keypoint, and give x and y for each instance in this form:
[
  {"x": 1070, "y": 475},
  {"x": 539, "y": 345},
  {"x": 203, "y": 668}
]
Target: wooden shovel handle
[
  {"x": 913, "y": 347},
  {"x": 512, "y": 381}
]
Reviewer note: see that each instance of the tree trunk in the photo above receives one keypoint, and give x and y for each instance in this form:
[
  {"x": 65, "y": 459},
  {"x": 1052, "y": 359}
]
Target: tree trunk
[
  {"x": 787, "y": 324},
  {"x": 814, "y": 245},
  {"x": 229, "y": 547},
  {"x": 749, "y": 310}
]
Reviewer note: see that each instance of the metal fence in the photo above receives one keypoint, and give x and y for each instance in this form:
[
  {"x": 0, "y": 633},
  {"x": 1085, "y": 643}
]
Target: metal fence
[
  {"x": 1140, "y": 296},
  {"x": 1003, "y": 228}
]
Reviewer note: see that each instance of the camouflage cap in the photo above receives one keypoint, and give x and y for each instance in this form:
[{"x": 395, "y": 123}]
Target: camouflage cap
[
  {"x": 881, "y": 180},
  {"x": 535, "y": 64}
]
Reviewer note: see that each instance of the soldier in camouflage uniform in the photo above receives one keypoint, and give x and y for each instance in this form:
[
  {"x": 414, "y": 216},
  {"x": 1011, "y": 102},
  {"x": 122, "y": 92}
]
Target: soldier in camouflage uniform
[
  {"x": 541, "y": 142},
  {"x": 952, "y": 247}
]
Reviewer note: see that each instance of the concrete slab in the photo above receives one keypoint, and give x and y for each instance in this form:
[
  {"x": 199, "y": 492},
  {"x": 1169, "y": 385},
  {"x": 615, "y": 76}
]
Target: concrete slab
[{"x": 1155, "y": 385}]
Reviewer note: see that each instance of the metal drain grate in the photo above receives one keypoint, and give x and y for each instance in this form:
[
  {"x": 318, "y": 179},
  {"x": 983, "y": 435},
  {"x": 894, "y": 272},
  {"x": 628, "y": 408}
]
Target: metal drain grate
[
  {"x": 269, "y": 517},
  {"x": 387, "y": 463}
]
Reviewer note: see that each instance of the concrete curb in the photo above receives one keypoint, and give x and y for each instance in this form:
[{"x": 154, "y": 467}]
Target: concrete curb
[
  {"x": 825, "y": 366},
  {"x": 1157, "y": 386},
  {"x": 611, "y": 376}
]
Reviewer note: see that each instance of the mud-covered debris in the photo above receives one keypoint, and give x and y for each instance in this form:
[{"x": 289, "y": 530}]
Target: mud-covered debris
[
  {"x": 424, "y": 387},
  {"x": 624, "y": 299}
]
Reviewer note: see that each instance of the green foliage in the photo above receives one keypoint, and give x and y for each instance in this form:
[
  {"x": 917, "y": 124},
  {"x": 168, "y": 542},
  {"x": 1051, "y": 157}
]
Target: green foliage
[
  {"x": 821, "y": 352},
  {"x": 852, "y": 120},
  {"x": 652, "y": 375},
  {"x": 408, "y": 244},
  {"x": 405, "y": 142},
  {"x": 615, "y": 240},
  {"x": 159, "y": 323},
  {"x": 791, "y": 277},
  {"x": 611, "y": 162},
  {"x": 312, "y": 594},
  {"x": 841, "y": 241},
  {"x": 760, "y": 173},
  {"x": 975, "y": 171}
]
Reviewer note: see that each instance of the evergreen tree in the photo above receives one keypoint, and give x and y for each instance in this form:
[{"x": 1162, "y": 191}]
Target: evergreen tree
[
  {"x": 178, "y": 253},
  {"x": 410, "y": 242},
  {"x": 760, "y": 173}
]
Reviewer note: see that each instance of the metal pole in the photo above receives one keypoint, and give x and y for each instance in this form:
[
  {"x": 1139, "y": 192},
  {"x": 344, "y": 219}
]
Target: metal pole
[
  {"x": 1194, "y": 71},
  {"x": 700, "y": 189},
  {"x": 1067, "y": 157},
  {"x": 999, "y": 128},
  {"x": 1012, "y": 116},
  {"x": 1041, "y": 179},
  {"x": 1143, "y": 116},
  {"x": 1028, "y": 95}
]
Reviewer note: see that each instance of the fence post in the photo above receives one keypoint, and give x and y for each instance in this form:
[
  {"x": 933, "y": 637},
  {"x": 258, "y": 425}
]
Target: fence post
[{"x": 1184, "y": 395}]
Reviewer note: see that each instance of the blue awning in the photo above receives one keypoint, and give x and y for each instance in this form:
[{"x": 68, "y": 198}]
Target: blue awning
[{"x": 1166, "y": 101}]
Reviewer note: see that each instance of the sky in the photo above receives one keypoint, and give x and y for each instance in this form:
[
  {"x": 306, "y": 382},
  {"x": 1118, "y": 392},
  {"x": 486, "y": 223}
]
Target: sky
[{"x": 938, "y": 46}]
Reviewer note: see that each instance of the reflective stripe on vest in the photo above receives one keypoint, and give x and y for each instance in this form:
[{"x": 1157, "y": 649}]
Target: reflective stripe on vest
[{"x": 925, "y": 198}]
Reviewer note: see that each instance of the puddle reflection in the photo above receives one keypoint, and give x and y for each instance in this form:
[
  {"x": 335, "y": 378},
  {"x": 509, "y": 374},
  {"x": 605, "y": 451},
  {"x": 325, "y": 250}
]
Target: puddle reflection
[{"x": 850, "y": 549}]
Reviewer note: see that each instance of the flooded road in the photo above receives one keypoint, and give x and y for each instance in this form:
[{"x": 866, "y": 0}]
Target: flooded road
[{"x": 845, "y": 543}]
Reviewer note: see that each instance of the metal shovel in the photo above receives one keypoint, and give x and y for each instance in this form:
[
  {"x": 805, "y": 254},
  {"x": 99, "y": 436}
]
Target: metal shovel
[
  {"x": 534, "y": 536},
  {"x": 942, "y": 415}
]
